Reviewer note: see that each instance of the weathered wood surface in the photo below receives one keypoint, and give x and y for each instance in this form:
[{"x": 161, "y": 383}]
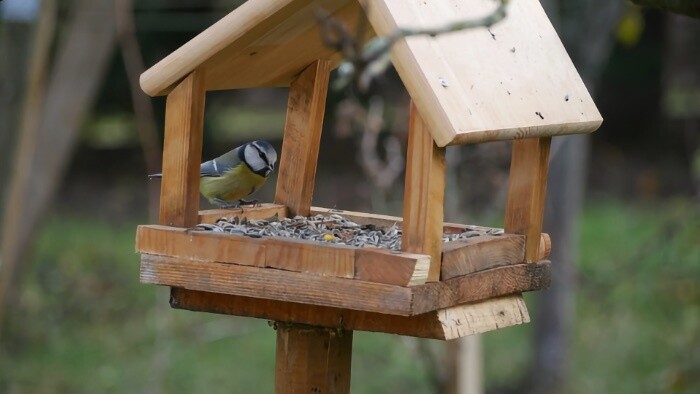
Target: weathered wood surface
[
  {"x": 424, "y": 194},
  {"x": 342, "y": 293},
  {"x": 443, "y": 324},
  {"x": 527, "y": 186},
  {"x": 368, "y": 264},
  {"x": 312, "y": 360},
  {"x": 264, "y": 211},
  {"x": 182, "y": 152},
  {"x": 302, "y": 138},
  {"x": 267, "y": 43},
  {"x": 484, "y": 252},
  {"x": 513, "y": 80}
]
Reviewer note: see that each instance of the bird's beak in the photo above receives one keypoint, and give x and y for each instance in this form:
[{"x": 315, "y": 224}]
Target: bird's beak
[{"x": 269, "y": 170}]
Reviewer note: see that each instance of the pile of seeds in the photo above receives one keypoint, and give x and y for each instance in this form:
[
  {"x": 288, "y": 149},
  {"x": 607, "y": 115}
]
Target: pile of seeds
[{"x": 331, "y": 229}]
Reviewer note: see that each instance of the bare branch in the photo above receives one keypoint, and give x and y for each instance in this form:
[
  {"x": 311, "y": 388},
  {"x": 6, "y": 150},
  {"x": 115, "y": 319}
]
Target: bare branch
[{"x": 362, "y": 65}]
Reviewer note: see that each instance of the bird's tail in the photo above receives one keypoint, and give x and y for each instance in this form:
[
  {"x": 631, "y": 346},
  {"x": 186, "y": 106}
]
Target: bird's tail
[{"x": 154, "y": 176}]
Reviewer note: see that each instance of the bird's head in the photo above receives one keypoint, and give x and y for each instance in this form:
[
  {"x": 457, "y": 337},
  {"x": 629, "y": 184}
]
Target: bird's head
[{"x": 260, "y": 157}]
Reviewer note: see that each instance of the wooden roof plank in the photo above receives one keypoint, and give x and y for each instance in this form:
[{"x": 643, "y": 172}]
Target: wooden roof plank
[{"x": 514, "y": 80}]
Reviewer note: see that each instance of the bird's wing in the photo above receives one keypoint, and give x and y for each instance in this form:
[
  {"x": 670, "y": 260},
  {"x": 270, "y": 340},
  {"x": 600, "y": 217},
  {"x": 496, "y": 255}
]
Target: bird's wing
[{"x": 219, "y": 166}]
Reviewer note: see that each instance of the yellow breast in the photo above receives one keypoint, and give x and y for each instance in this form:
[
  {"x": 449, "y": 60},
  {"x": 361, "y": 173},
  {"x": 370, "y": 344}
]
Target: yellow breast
[{"x": 232, "y": 186}]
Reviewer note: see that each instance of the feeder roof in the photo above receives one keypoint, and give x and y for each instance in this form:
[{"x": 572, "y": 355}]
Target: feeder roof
[{"x": 514, "y": 80}]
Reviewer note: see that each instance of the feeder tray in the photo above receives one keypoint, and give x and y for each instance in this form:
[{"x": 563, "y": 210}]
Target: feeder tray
[{"x": 513, "y": 82}]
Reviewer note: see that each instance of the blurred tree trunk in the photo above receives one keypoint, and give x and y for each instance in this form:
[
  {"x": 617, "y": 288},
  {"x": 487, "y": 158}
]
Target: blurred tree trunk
[
  {"x": 20, "y": 38},
  {"x": 45, "y": 149},
  {"x": 681, "y": 80},
  {"x": 586, "y": 28}
]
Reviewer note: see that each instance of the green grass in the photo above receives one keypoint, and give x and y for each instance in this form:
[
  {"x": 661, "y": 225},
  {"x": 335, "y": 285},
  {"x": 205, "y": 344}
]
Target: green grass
[{"x": 82, "y": 323}]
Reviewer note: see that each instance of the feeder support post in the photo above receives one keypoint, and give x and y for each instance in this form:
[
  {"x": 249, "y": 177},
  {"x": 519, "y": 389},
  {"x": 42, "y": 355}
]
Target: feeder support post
[
  {"x": 302, "y": 138},
  {"x": 182, "y": 152},
  {"x": 312, "y": 359},
  {"x": 527, "y": 186},
  {"x": 424, "y": 194},
  {"x": 309, "y": 359}
]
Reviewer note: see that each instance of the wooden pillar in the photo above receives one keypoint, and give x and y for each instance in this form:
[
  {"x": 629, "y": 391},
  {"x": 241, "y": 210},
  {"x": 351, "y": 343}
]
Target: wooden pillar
[
  {"x": 302, "y": 138},
  {"x": 309, "y": 359},
  {"x": 527, "y": 186},
  {"x": 312, "y": 360},
  {"x": 182, "y": 152},
  {"x": 424, "y": 194}
]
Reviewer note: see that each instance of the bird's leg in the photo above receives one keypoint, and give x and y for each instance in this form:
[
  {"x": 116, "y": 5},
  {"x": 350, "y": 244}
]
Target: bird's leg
[
  {"x": 254, "y": 203},
  {"x": 225, "y": 204}
]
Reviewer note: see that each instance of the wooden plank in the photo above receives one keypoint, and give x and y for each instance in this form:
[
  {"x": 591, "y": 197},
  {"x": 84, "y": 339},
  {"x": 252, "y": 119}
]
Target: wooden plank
[
  {"x": 367, "y": 264},
  {"x": 200, "y": 246},
  {"x": 424, "y": 194},
  {"x": 310, "y": 257},
  {"x": 514, "y": 80},
  {"x": 484, "y": 252},
  {"x": 264, "y": 211},
  {"x": 275, "y": 284},
  {"x": 383, "y": 266},
  {"x": 442, "y": 324},
  {"x": 312, "y": 360},
  {"x": 302, "y": 138},
  {"x": 342, "y": 293},
  {"x": 380, "y": 220},
  {"x": 510, "y": 279},
  {"x": 480, "y": 253},
  {"x": 287, "y": 254},
  {"x": 182, "y": 152},
  {"x": 527, "y": 186},
  {"x": 267, "y": 42}
]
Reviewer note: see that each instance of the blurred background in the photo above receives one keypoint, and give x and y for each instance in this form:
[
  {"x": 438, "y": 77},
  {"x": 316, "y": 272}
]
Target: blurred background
[{"x": 77, "y": 138}]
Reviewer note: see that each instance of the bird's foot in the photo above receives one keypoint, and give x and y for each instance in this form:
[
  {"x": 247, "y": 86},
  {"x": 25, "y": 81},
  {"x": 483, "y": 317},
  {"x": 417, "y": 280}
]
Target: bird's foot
[{"x": 225, "y": 204}]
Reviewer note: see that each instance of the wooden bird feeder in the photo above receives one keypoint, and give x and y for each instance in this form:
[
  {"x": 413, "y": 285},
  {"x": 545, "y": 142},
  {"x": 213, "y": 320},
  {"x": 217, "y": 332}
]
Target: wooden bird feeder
[{"x": 513, "y": 81}]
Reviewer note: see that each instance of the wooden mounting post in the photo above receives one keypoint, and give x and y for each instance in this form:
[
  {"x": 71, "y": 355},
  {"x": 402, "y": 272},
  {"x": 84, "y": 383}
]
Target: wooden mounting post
[
  {"x": 309, "y": 359},
  {"x": 424, "y": 194},
  {"x": 527, "y": 186},
  {"x": 302, "y": 138},
  {"x": 312, "y": 360},
  {"x": 182, "y": 152}
]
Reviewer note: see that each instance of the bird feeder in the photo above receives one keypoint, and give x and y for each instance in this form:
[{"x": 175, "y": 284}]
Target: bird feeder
[{"x": 513, "y": 81}]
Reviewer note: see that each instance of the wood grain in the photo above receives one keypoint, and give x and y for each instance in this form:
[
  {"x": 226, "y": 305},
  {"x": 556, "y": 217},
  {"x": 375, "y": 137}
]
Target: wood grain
[
  {"x": 182, "y": 152},
  {"x": 275, "y": 284},
  {"x": 495, "y": 282},
  {"x": 367, "y": 264},
  {"x": 264, "y": 211},
  {"x": 302, "y": 138},
  {"x": 312, "y": 360},
  {"x": 472, "y": 86},
  {"x": 310, "y": 257},
  {"x": 527, "y": 186},
  {"x": 200, "y": 246},
  {"x": 485, "y": 252},
  {"x": 342, "y": 293},
  {"x": 383, "y": 266},
  {"x": 267, "y": 42},
  {"x": 441, "y": 324},
  {"x": 424, "y": 194},
  {"x": 480, "y": 253}
]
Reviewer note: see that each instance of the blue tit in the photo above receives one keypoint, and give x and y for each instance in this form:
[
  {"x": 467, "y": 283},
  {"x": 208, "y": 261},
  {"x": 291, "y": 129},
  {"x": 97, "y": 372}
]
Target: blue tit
[{"x": 226, "y": 180}]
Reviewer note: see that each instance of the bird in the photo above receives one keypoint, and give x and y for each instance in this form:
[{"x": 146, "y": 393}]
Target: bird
[{"x": 240, "y": 172}]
